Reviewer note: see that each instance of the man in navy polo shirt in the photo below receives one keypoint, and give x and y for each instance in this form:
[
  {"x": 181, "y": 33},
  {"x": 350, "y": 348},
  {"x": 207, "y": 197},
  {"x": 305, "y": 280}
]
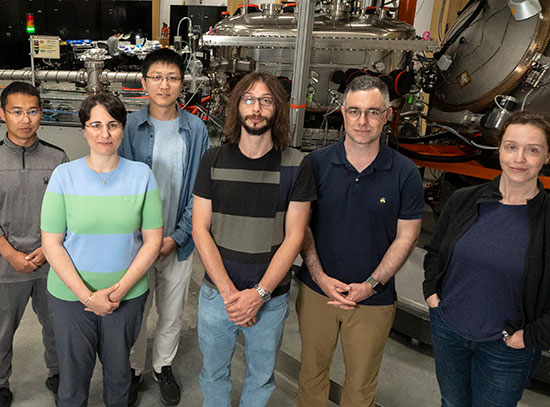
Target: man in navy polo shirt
[{"x": 364, "y": 225}]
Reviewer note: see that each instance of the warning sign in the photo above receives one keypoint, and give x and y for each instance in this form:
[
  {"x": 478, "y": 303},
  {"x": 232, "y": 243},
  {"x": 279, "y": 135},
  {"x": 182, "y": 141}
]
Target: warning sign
[{"x": 45, "y": 46}]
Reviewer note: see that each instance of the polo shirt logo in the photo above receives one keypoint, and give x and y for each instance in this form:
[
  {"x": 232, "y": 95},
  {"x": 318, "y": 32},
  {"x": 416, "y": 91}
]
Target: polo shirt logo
[{"x": 383, "y": 200}]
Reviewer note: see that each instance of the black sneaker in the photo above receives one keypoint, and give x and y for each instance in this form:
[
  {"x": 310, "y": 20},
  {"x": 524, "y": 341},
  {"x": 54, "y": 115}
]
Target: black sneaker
[
  {"x": 134, "y": 389},
  {"x": 169, "y": 389},
  {"x": 5, "y": 397},
  {"x": 52, "y": 383}
]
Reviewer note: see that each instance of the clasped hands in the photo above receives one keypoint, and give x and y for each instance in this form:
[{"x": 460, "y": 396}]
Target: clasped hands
[
  {"x": 342, "y": 295},
  {"x": 105, "y": 301},
  {"x": 27, "y": 263},
  {"x": 242, "y": 307}
]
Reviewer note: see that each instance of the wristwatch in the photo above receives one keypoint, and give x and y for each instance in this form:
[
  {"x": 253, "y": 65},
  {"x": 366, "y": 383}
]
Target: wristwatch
[
  {"x": 376, "y": 285},
  {"x": 264, "y": 294}
]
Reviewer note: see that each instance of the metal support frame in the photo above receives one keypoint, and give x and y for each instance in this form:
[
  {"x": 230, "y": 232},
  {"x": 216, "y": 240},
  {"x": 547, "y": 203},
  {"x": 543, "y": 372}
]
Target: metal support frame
[
  {"x": 32, "y": 62},
  {"x": 302, "y": 56},
  {"x": 319, "y": 42}
]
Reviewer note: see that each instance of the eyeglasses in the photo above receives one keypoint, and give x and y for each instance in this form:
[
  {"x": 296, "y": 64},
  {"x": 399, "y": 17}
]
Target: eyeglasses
[
  {"x": 370, "y": 114},
  {"x": 264, "y": 100},
  {"x": 159, "y": 79},
  {"x": 20, "y": 114},
  {"x": 98, "y": 126}
]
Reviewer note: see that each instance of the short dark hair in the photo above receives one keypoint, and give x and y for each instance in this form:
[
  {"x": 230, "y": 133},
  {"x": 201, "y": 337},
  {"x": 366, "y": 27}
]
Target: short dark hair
[
  {"x": 280, "y": 133},
  {"x": 539, "y": 120},
  {"x": 19, "y": 87},
  {"x": 367, "y": 82},
  {"x": 110, "y": 102},
  {"x": 164, "y": 56}
]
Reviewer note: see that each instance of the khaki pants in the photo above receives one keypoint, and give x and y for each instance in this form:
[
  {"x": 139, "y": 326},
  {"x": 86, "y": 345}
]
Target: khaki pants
[{"x": 363, "y": 333}]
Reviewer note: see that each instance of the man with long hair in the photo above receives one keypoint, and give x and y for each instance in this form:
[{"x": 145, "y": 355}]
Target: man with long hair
[{"x": 251, "y": 205}]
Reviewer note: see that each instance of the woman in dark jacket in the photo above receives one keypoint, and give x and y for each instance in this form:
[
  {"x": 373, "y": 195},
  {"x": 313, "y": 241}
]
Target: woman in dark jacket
[{"x": 487, "y": 276}]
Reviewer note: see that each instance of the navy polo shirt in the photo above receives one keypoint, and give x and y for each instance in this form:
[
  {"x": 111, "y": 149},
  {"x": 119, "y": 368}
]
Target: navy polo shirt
[{"x": 354, "y": 219}]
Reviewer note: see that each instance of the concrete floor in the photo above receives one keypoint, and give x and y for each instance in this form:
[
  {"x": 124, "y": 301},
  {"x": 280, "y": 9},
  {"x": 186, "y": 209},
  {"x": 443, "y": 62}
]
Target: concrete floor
[{"x": 407, "y": 377}]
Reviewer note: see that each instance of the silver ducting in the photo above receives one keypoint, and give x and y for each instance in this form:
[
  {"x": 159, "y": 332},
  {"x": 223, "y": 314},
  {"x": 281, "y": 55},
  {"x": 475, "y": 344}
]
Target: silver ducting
[
  {"x": 81, "y": 76},
  {"x": 46, "y": 76}
]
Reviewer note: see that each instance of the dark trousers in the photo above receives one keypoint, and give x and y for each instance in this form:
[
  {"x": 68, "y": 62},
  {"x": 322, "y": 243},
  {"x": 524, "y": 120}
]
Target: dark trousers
[
  {"x": 13, "y": 301},
  {"x": 80, "y": 335},
  {"x": 479, "y": 374}
]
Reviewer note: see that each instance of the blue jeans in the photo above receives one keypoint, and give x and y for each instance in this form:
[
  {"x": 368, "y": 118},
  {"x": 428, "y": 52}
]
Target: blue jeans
[
  {"x": 479, "y": 374},
  {"x": 217, "y": 337}
]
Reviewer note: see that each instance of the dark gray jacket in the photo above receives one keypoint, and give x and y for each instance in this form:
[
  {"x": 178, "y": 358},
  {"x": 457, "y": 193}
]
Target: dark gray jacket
[{"x": 24, "y": 175}]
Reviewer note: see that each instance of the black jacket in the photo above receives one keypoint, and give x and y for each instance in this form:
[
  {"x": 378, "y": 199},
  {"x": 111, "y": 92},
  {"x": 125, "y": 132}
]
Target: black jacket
[{"x": 460, "y": 213}]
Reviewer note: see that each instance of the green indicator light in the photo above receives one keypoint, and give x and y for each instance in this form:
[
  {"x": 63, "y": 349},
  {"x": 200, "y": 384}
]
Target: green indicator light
[{"x": 30, "y": 23}]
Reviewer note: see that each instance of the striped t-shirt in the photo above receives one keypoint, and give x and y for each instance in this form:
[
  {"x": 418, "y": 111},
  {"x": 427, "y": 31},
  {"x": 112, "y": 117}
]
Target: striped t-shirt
[
  {"x": 250, "y": 198},
  {"x": 102, "y": 216}
]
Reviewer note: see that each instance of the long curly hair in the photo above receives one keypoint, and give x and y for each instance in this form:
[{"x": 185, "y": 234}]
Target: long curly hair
[{"x": 280, "y": 131}]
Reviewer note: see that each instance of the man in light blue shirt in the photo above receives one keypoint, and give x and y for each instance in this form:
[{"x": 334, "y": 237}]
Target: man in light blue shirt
[{"x": 171, "y": 142}]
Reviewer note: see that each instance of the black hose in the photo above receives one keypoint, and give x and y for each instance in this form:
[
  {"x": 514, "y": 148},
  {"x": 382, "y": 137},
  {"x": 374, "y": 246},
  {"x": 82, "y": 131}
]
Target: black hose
[
  {"x": 465, "y": 7},
  {"x": 470, "y": 20},
  {"x": 424, "y": 139}
]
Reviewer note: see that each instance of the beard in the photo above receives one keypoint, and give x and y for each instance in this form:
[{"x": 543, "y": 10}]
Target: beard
[{"x": 257, "y": 131}]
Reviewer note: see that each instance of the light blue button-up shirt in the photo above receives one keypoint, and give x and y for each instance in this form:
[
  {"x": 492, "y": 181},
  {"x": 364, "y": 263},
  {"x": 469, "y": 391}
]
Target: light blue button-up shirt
[{"x": 137, "y": 145}]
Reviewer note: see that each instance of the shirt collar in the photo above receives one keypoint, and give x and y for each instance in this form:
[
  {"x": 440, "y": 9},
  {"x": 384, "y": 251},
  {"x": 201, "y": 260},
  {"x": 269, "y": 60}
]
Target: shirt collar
[
  {"x": 383, "y": 160},
  {"x": 142, "y": 117},
  {"x": 17, "y": 148}
]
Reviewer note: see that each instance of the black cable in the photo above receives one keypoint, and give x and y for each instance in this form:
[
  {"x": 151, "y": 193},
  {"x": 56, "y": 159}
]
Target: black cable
[
  {"x": 466, "y": 7},
  {"x": 424, "y": 139},
  {"x": 209, "y": 100},
  {"x": 470, "y": 20}
]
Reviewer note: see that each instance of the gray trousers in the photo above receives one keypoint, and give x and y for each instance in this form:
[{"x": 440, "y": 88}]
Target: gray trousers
[
  {"x": 13, "y": 301},
  {"x": 81, "y": 335}
]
